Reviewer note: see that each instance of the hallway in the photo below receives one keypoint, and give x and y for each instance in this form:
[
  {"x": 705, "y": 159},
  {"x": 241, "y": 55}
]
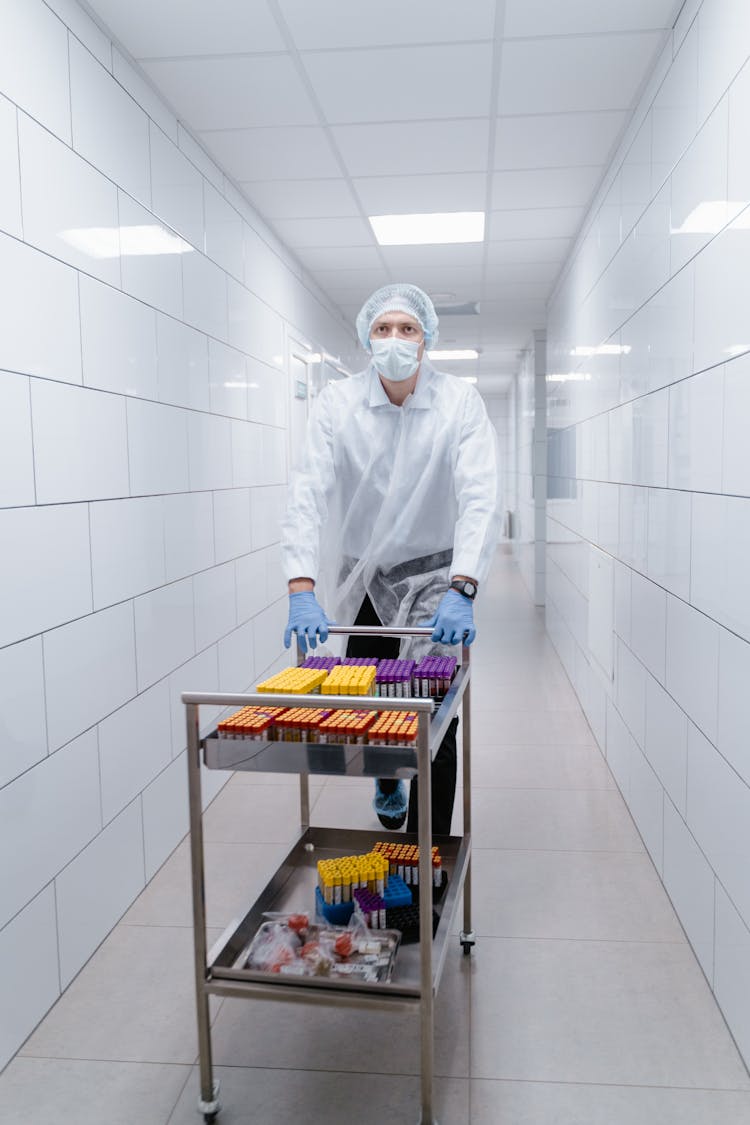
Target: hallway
[{"x": 582, "y": 1004}]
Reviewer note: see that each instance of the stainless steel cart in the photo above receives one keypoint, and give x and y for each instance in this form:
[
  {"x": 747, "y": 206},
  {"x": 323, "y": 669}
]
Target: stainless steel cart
[{"x": 221, "y": 971}]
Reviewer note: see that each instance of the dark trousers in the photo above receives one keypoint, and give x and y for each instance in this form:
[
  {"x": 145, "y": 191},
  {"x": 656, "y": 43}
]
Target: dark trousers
[{"x": 444, "y": 764}]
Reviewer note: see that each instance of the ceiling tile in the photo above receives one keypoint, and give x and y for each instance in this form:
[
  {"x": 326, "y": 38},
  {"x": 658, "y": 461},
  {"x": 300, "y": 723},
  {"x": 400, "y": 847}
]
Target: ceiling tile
[
  {"x": 190, "y": 27},
  {"x": 413, "y": 147},
  {"x": 536, "y": 222},
  {"x": 573, "y": 75},
  {"x": 399, "y": 258},
  {"x": 548, "y": 187},
  {"x": 528, "y": 250},
  {"x": 550, "y": 17},
  {"x": 501, "y": 272},
  {"x": 448, "y": 279},
  {"x": 234, "y": 93},
  {"x": 273, "y": 154},
  {"x": 339, "y": 23},
  {"x": 348, "y": 280},
  {"x": 404, "y": 195},
  {"x": 401, "y": 83},
  {"x": 324, "y": 232},
  {"x": 339, "y": 257},
  {"x": 556, "y": 140},
  {"x": 533, "y": 314},
  {"x": 516, "y": 291},
  {"x": 301, "y": 199}
]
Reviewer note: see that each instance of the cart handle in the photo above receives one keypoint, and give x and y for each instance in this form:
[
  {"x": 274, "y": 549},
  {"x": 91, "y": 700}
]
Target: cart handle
[
  {"x": 335, "y": 702},
  {"x": 381, "y": 630}
]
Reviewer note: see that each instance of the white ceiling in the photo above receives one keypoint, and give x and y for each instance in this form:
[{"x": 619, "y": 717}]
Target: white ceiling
[{"x": 327, "y": 111}]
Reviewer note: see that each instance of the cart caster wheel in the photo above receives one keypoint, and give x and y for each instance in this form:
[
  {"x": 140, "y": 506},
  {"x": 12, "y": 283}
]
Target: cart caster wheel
[
  {"x": 468, "y": 941},
  {"x": 210, "y": 1109}
]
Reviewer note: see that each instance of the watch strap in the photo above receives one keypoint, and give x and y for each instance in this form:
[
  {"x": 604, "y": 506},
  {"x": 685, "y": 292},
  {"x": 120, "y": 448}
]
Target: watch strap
[{"x": 464, "y": 587}]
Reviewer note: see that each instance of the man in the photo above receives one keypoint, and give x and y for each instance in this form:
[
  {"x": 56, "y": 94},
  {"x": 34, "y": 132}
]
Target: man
[{"x": 393, "y": 512}]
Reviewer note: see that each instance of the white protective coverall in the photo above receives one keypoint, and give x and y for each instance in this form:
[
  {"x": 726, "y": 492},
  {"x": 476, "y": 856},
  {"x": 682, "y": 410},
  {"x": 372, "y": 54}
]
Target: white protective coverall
[{"x": 393, "y": 500}]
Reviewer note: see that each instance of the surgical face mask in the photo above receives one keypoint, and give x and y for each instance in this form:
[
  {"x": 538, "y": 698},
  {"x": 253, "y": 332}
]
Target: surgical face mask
[{"x": 394, "y": 358}]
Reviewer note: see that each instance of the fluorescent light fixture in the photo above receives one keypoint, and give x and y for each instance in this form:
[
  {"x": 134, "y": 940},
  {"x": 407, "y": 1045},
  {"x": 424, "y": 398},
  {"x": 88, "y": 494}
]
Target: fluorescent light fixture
[
  {"x": 420, "y": 230},
  {"x": 469, "y": 378},
  {"x": 712, "y": 215},
  {"x": 569, "y": 377},
  {"x": 455, "y": 353},
  {"x": 603, "y": 349},
  {"x": 136, "y": 241},
  {"x": 737, "y": 349}
]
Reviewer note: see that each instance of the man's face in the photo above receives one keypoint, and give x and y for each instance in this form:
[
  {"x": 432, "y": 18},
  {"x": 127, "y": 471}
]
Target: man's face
[{"x": 399, "y": 324}]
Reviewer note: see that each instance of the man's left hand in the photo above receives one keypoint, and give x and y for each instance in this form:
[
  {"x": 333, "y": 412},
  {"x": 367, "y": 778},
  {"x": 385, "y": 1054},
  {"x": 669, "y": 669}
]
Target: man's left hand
[{"x": 454, "y": 620}]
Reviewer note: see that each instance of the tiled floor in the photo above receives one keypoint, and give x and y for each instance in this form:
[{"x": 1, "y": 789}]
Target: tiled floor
[{"x": 582, "y": 1004}]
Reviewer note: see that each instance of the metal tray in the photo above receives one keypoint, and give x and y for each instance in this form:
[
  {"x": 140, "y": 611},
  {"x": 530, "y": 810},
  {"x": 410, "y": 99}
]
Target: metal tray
[
  {"x": 334, "y": 760},
  {"x": 292, "y": 888}
]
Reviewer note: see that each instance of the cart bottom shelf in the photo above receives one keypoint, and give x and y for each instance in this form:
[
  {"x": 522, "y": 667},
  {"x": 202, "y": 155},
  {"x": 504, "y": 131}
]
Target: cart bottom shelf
[{"x": 292, "y": 889}]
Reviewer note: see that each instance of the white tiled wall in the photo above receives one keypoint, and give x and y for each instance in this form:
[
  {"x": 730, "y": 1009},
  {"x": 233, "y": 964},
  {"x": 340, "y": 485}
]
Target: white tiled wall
[
  {"x": 143, "y": 460},
  {"x": 660, "y": 272}
]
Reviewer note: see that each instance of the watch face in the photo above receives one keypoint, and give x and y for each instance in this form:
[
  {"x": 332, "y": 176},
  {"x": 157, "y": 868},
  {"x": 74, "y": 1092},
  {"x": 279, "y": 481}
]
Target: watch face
[{"x": 467, "y": 588}]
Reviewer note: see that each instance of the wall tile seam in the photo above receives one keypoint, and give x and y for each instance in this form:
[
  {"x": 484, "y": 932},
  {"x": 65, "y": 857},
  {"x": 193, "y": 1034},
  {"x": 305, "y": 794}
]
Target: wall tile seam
[
  {"x": 649, "y": 299},
  {"x": 607, "y": 411},
  {"x": 615, "y": 484},
  {"x": 663, "y": 686},
  {"x": 688, "y": 29},
  {"x": 614, "y": 167},
  {"x": 717, "y": 880},
  {"x": 725, "y": 90},
  {"x": 251, "y": 217},
  {"x": 57, "y": 932},
  {"x": 167, "y": 225},
  {"x": 155, "y": 308},
  {"x": 104, "y": 176},
  {"x": 647, "y": 577},
  {"x": 52, "y": 879},
  {"x": 671, "y": 276},
  {"x": 627, "y": 232},
  {"x": 143, "y": 496},
  {"x": 665, "y": 797},
  {"x": 57, "y": 941},
  {"x": 73, "y": 34},
  {"x": 152, "y": 121},
  {"x": 138, "y": 797},
  {"x": 123, "y": 602}
]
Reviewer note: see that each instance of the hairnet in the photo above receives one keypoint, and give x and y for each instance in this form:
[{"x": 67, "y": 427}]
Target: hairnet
[{"x": 398, "y": 298}]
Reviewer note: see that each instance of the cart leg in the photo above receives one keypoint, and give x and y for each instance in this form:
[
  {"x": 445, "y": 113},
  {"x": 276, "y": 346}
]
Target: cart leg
[
  {"x": 467, "y": 937},
  {"x": 304, "y": 800},
  {"x": 426, "y": 1007},
  {"x": 208, "y": 1103}
]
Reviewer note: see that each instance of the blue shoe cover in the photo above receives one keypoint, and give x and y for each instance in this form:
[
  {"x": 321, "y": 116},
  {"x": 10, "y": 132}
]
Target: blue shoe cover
[{"x": 391, "y": 808}]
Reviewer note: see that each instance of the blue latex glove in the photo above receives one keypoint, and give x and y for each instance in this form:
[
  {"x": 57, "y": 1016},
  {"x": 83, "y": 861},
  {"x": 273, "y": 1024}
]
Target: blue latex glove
[
  {"x": 307, "y": 619},
  {"x": 454, "y": 620}
]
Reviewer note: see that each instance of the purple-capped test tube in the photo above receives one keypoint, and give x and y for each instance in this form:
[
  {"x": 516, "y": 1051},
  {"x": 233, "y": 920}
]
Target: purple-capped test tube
[
  {"x": 381, "y": 676},
  {"x": 323, "y": 663}
]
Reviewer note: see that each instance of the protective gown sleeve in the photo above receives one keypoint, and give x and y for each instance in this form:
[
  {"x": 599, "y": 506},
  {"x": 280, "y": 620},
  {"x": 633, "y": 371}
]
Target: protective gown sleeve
[
  {"x": 477, "y": 488},
  {"x": 310, "y": 487}
]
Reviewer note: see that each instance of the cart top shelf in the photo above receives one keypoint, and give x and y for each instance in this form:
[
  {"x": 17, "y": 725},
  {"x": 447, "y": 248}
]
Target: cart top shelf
[{"x": 322, "y": 758}]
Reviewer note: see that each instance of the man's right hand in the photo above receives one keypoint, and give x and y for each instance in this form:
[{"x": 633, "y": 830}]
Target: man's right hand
[{"x": 307, "y": 619}]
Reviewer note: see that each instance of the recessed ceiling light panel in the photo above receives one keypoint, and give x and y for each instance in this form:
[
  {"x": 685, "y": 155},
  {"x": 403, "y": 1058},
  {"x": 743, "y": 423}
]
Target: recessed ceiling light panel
[{"x": 422, "y": 230}]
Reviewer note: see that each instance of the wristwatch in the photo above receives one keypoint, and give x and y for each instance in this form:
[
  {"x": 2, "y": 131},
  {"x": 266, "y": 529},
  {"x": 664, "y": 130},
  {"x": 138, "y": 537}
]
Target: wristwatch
[{"x": 465, "y": 587}]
